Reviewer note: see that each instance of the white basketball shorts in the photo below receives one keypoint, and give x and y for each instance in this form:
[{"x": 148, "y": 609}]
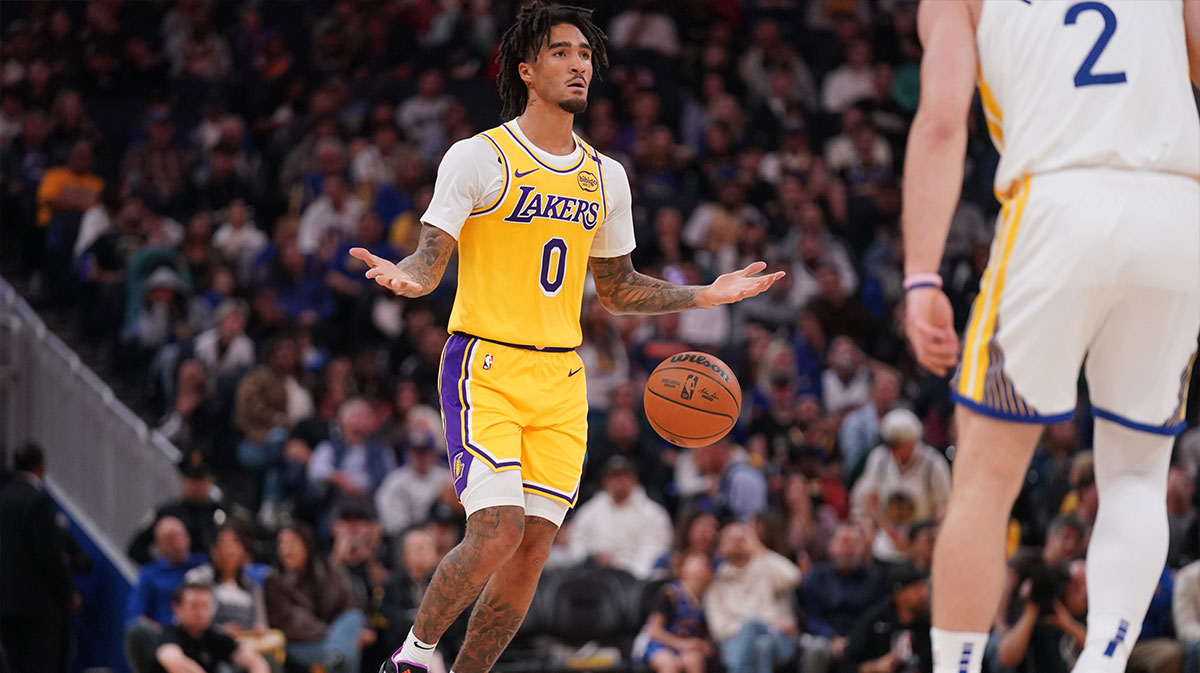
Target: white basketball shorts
[{"x": 1099, "y": 265}]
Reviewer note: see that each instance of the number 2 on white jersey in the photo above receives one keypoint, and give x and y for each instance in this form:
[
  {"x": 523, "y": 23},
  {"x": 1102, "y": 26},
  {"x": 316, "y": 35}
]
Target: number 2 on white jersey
[{"x": 1084, "y": 76}]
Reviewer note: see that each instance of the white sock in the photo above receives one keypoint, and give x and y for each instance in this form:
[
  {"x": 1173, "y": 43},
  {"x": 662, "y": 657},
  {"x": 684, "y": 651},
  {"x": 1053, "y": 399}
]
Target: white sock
[
  {"x": 1129, "y": 542},
  {"x": 957, "y": 651},
  {"x": 414, "y": 651}
]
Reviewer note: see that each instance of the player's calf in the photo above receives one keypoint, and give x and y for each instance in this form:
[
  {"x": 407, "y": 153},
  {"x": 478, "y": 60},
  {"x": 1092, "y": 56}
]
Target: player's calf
[{"x": 493, "y": 534}]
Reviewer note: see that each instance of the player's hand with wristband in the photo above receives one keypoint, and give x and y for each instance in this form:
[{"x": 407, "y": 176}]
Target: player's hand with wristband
[{"x": 929, "y": 323}]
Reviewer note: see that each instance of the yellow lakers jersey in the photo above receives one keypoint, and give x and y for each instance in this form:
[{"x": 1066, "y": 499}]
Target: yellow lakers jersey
[{"x": 523, "y": 259}]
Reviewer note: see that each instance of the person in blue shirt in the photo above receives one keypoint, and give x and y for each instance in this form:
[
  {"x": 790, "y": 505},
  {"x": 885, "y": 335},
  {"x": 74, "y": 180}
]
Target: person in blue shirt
[
  {"x": 149, "y": 608},
  {"x": 835, "y": 594},
  {"x": 677, "y": 628}
]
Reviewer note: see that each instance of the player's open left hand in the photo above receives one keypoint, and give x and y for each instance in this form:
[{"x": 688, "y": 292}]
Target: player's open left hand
[
  {"x": 387, "y": 274},
  {"x": 929, "y": 324},
  {"x": 738, "y": 285}
]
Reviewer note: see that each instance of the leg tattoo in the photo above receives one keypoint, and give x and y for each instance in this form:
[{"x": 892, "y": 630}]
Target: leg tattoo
[
  {"x": 506, "y": 599},
  {"x": 492, "y": 535}
]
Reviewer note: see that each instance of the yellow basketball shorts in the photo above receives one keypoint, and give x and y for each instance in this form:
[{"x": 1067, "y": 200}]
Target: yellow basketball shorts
[{"x": 515, "y": 408}]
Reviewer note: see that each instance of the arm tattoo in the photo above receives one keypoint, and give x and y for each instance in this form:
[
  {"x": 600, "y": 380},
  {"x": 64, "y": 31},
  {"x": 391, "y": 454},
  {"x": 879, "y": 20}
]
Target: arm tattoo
[
  {"x": 427, "y": 264},
  {"x": 623, "y": 290}
]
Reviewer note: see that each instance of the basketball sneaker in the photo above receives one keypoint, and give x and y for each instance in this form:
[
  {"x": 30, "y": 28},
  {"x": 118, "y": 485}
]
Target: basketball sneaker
[{"x": 395, "y": 664}]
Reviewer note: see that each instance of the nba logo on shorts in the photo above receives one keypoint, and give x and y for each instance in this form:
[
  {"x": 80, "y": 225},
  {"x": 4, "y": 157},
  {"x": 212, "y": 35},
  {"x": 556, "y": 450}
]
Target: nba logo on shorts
[
  {"x": 458, "y": 463},
  {"x": 487, "y": 361}
]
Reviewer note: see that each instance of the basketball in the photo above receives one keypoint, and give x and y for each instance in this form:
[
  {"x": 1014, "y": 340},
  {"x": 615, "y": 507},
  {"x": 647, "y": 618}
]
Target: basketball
[{"x": 692, "y": 399}]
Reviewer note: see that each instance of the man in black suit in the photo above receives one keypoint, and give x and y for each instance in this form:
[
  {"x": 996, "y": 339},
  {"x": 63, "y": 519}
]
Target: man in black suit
[{"x": 36, "y": 593}]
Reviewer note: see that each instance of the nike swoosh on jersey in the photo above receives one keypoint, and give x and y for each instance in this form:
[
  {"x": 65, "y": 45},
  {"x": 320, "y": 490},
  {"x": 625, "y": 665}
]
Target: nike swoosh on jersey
[
  {"x": 519, "y": 174},
  {"x": 570, "y": 374}
]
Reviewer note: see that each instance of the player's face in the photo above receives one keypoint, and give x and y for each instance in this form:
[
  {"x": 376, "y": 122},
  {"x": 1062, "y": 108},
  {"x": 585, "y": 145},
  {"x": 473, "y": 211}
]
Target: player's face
[{"x": 563, "y": 69}]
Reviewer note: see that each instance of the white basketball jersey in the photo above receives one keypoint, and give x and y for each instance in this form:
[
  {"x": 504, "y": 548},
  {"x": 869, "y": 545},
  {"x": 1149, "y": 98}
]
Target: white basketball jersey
[{"x": 1089, "y": 83}]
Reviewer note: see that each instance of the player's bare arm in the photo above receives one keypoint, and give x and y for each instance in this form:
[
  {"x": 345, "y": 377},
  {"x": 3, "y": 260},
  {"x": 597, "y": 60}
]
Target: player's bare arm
[
  {"x": 622, "y": 290},
  {"x": 419, "y": 273},
  {"x": 933, "y": 172},
  {"x": 1191, "y": 24}
]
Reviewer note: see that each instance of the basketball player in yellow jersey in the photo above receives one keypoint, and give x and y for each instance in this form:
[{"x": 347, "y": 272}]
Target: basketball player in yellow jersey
[
  {"x": 530, "y": 207},
  {"x": 1096, "y": 256}
]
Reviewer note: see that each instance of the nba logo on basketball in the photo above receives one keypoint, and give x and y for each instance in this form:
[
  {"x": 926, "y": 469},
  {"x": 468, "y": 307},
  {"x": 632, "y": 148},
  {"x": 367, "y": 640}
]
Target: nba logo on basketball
[
  {"x": 487, "y": 361},
  {"x": 458, "y": 464}
]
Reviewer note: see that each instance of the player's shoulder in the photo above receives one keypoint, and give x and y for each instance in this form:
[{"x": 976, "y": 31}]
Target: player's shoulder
[{"x": 470, "y": 149}]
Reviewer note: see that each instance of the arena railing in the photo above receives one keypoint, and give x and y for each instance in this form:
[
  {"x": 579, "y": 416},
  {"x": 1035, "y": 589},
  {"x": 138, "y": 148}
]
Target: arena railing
[{"x": 105, "y": 467}]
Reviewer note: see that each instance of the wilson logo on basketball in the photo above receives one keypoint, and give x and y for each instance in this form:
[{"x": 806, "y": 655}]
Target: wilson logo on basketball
[
  {"x": 703, "y": 362},
  {"x": 588, "y": 182}
]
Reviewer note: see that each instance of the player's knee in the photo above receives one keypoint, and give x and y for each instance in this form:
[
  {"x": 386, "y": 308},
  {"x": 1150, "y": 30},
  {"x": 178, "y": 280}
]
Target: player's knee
[{"x": 494, "y": 533}]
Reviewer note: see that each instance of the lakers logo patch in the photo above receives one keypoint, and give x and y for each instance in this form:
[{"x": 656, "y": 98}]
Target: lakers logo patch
[
  {"x": 458, "y": 466},
  {"x": 487, "y": 361},
  {"x": 588, "y": 182}
]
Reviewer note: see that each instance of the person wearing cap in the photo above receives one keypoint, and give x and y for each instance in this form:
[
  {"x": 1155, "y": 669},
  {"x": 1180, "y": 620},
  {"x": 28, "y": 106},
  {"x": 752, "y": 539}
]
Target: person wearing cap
[
  {"x": 621, "y": 526},
  {"x": 893, "y": 637},
  {"x": 905, "y": 480},
  {"x": 411, "y": 489},
  {"x": 199, "y": 508}
]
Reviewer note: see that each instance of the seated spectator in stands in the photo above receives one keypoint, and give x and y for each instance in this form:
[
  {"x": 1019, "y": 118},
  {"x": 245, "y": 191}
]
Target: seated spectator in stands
[
  {"x": 1183, "y": 518},
  {"x": 1186, "y": 612},
  {"x": 1048, "y": 481},
  {"x": 624, "y": 436},
  {"x": 894, "y": 635},
  {"x": 605, "y": 358},
  {"x": 1084, "y": 499},
  {"x": 922, "y": 535},
  {"x": 748, "y": 605},
  {"x": 839, "y": 313},
  {"x": 314, "y": 605},
  {"x": 225, "y": 350},
  {"x": 621, "y": 526},
  {"x": 677, "y": 626},
  {"x": 149, "y": 609},
  {"x": 236, "y": 583},
  {"x": 192, "y": 644},
  {"x": 905, "y": 480},
  {"x": 735, "y": 487},
  {"x": 772, "y": 309},
  {"x": 197, "y": 508},
  {"x": 1156, "y": 650},
  {"x": 336, "y": 213},
  {"x": 836, "y": 593},
  {"x": 162, "y": 316},
  {"x": 860, "y": 429},
  {"x": 408, "y": 492},
  {"x": 156, "y": 170},
  {"x": 218, "y": 181},
  {"x": 63, "y": 195},
  {"x": 358, "y": 550},
  {"x": 695, "y": 531},
  {"x": 351, "y": 464},
  {"x": 846, "y": 384},
  {"x": 240, "y": 241},
  {"x": 299, "y": 291},
  {"x": 814, "y": 250}
]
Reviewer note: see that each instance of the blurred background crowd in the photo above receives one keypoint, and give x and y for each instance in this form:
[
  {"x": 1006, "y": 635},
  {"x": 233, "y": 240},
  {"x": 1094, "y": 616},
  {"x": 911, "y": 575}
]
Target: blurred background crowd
[{"x": 184, "y": 181}]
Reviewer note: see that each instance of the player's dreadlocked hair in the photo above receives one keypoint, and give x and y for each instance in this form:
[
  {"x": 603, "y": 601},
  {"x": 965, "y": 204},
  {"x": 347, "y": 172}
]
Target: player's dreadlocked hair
[{"x": 524, "y": 39}]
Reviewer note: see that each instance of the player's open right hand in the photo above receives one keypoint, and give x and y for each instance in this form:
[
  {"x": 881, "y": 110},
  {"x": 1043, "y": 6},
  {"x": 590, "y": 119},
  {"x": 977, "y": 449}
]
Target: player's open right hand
[
  {"x": 388, "y": 274},
  {"x": 929, "y": 323}
]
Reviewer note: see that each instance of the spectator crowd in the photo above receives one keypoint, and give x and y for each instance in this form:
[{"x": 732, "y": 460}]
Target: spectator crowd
[{"x": 186, "y": 180}]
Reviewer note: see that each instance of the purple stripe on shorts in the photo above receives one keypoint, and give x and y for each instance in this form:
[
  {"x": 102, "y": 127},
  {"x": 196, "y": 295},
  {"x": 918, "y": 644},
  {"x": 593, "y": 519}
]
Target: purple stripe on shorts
[
  {"x": 457, "y": 455},
  {"x": 456, "y": 408}
]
